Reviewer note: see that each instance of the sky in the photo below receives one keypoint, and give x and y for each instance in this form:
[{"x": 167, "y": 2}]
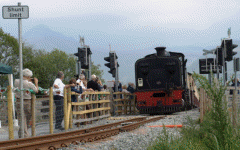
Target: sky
[
  {"x": 132, "y": 25},
  {"x": 177, "y": 20}
]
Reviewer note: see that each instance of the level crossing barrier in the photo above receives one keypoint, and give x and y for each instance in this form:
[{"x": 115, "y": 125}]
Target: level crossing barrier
[{"x": 124, "y": 103}]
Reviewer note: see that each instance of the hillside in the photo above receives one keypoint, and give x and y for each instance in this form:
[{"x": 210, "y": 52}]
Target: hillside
[{"x": 42, "y": 37}]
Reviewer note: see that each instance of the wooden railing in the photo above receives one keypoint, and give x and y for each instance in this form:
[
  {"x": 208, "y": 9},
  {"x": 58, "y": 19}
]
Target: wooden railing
[
  {"x": 233, "y": 104},
  {"x": 205, "y": 103},
  {"x": 93, "y": 106},
  {"x": 125, "y": 105},
  {"x": 194, "y": 96}
]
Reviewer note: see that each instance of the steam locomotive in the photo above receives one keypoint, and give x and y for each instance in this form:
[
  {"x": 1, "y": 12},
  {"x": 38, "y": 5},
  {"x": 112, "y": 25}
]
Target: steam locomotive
[{"x": 161, "y": 82}]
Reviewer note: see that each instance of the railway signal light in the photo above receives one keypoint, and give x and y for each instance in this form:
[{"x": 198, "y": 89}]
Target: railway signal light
[
  {"x": 112, "y": 63},
  {"x": 204, "y": 66},
  {"x": 82, "y": 55},
  {"x": 228, "y": 46},
  {"x": 236, "y": 64},
  {"x": 219, "y": 54}
]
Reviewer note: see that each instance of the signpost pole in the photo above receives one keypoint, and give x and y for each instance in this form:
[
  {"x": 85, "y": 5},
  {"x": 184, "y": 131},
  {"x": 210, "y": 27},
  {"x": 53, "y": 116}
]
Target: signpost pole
[
  {"x": 21, "y": 74},
  {"x": 18, "y": 12}
]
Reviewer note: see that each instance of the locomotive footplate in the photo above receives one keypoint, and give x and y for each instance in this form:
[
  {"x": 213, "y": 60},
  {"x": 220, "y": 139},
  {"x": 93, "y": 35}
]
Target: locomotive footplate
[{"x": 159, "y": 109}]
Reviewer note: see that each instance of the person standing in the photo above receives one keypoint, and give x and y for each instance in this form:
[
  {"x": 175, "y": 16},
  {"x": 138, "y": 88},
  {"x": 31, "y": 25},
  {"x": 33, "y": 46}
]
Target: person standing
[
  {"x": 27, "y": 74},
  {"x": 99, "y": 84},
  {"x": 93, "y": 83},
  {"x": 81, "y": 83},
  {"x": 124, "y": 89},
  {"x": 130, "y": 88},
  {"x": 119, "y": 86},
  {"x": 58, "y": 89}
]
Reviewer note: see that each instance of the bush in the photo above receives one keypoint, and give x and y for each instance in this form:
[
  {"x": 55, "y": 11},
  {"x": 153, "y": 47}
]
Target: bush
[{"x": 215, "y": 132}]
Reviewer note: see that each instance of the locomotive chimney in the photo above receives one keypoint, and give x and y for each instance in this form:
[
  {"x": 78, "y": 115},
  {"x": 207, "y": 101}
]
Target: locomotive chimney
[{"x": 160, "y": 51}]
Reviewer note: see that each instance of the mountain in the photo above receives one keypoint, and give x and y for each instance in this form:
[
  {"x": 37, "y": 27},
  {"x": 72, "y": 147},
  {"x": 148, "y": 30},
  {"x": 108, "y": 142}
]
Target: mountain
[{"x": 42, "y": 37}]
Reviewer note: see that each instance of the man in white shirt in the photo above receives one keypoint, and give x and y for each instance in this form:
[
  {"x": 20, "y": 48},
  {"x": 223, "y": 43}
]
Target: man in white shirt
[{"x": 58, "y": 89}]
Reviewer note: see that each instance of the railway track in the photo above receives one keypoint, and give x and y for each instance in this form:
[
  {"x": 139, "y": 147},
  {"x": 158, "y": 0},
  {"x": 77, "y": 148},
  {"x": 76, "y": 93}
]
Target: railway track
[{"x": 54, "y": 141}]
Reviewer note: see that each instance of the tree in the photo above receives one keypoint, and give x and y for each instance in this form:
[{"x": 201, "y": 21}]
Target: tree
[
  {"x": 95, "y": 69},
  {"x": 8, "y": 53},
  {"x": 46, "y": 65}
]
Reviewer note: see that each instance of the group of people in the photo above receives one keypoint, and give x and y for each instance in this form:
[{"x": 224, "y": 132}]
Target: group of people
[{"x": 78, "y": 85}]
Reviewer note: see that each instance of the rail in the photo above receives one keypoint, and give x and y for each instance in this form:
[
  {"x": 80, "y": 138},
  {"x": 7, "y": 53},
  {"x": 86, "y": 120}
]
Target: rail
[
  {"x": 43, "y": 109},
  {"x": 54, "y": 141}
]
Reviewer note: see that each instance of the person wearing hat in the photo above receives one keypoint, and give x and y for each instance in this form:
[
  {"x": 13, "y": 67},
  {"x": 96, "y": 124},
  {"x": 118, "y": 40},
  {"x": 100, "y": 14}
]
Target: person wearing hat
[{"x": 27, "y": 85}]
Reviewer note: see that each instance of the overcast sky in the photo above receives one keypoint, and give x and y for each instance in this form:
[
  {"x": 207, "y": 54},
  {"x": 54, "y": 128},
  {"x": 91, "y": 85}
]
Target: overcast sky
[
  {"x": 169, "y": 22},
  {"x": 134, "y": 25}
]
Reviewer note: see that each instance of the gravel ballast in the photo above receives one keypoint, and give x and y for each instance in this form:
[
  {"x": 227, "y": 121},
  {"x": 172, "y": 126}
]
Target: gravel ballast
[{"x": 141, "y": 138}]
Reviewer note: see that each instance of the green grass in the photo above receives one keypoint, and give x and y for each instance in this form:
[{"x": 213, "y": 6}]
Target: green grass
[{"x": 214, "y": 133}]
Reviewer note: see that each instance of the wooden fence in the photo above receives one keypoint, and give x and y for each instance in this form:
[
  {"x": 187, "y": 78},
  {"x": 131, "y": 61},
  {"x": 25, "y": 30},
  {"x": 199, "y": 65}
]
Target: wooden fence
[
  {"x": 193, "y": 92},
  {"x": 124, "y": 103},
  {"x": 93, "y": 106},
  {"x": 233, "y": 104},
  {"x": 232, "y": 100},
  {"x": 205, "y": 103}
]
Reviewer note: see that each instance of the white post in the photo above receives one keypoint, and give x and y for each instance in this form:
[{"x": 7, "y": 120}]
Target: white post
[{"x": 21, "y": 75}]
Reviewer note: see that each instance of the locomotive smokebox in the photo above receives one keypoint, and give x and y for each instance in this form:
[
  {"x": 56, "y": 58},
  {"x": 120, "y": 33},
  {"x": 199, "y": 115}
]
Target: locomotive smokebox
[{"x": 160, "y": 51}]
